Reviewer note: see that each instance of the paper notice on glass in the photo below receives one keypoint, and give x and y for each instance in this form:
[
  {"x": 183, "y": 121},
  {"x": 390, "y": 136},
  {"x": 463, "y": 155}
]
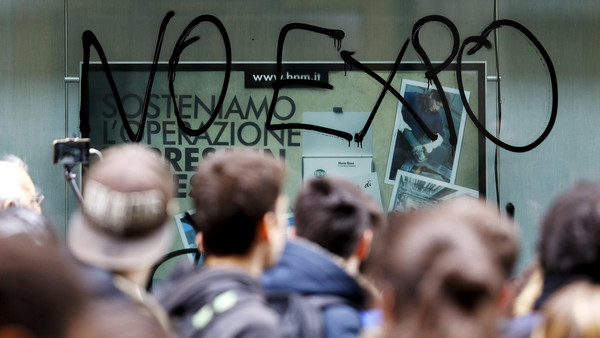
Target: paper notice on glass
[
  {"x": 413, "y": 191},
  {"x": 370, "y": 184},
  {"x": 344, "y": 167},
  {"x": 320, "y": 144}
]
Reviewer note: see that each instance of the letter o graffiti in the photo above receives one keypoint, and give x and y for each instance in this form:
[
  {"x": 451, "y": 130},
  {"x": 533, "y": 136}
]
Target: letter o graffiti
[{"x": 481, "y": 41}]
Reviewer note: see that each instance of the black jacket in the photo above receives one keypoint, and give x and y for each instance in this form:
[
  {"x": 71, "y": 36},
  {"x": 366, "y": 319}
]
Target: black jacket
[
  {"x": 205, "y": 302},
  {"x": 308, "y": 269}
]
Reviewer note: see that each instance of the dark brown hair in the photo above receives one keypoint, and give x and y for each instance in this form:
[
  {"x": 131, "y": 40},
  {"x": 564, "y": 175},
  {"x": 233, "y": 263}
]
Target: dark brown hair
[
  {"x": 497, "y": 231},
  {"x": 426, "y": 98},
  {"x": 39, "y": 289},
  {"x": 570, "y": 233},
  {"x": 232, "y": 191},
  {"x": 443, "y": 280}
]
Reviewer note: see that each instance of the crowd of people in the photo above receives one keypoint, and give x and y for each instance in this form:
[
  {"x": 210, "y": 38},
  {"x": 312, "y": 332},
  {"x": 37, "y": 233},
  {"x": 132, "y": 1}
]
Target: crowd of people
[{"x": 343, "y": 269}]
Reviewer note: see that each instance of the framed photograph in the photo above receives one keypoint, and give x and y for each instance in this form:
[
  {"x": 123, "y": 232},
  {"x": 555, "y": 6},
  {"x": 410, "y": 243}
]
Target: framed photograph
[
  {"x": 411, "y": 150},
  {"x": 413, "y": 191}
]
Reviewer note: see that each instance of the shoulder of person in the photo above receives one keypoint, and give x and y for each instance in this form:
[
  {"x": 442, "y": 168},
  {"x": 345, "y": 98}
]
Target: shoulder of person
[
  {"x": 341, "y": 320},
  {"x": 248, "y": 317}
]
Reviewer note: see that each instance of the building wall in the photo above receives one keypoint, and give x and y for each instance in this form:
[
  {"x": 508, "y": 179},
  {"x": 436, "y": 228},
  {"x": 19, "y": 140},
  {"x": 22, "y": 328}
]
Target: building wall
[
  {"x": 32, "y": 93},
  {"x": 42, "y": 45}
]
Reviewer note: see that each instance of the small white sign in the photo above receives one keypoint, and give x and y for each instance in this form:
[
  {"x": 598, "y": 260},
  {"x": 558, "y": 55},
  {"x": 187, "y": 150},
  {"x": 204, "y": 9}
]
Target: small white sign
[{"x": 344, "y": 167}]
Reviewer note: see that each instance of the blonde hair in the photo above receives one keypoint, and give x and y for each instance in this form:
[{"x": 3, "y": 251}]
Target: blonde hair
[{"x": 571, "y": 312}]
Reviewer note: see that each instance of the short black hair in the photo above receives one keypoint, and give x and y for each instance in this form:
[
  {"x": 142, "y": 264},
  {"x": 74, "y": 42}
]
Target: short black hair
[
  {"x": 332, "y": 213},
  {"x": 232, "y": 191},
  {"x": 570, "y": 233}
]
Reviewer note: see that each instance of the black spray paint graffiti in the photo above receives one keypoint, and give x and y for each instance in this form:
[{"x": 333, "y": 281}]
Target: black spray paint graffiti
[
  {"x": 482, "y": 41},
  {"x": 183, "y": 43},
  {"x": 89, "y": 40},
  {"x": 337, "y": 35}
]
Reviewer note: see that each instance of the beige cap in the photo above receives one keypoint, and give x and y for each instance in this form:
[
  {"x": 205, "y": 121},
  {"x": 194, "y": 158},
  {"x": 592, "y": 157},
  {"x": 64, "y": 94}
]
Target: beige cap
[{"x": 125, "y": 221}]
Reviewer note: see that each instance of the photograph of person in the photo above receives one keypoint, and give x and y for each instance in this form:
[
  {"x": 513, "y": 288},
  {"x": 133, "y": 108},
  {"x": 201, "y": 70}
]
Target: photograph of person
[
  {"x": 414, "y": 192},
  {"x": 411, "y": 150}
]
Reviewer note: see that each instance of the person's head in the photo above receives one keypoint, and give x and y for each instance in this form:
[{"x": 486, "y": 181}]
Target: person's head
[
  {"x": 570, "y": 233},
  {"x": 19, "y": 221},
  {"x": 239, "y": 204},
  {"x": 432, "y": 101},
  {"x": 16, "y": 188},
  {"x": 571, "y": 312},
  {"x": 335, "y": 214},
  {"x": 41, "y": 295},
  {"x": 125, "y": 222},
  {"x": 497, "y": 231},
  {"x": 438, "y": 278}
]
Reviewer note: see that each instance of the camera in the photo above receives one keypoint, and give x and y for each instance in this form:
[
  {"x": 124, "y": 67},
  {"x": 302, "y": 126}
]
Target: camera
[{"x": 71, "y": 151}]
